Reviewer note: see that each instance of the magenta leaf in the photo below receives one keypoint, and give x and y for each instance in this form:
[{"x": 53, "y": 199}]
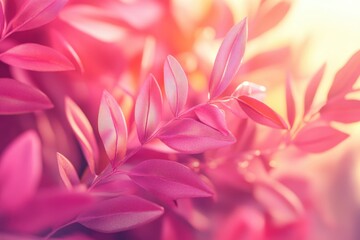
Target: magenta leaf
[
  {"x": 120, "y": 214},
  {"x": 17, "y": 98},
  {"x": 67, "y": 172},
  {"x": 36, "y": 57},
  {"x": 346, "y": 77},
  {"x": 261, "y": 113},
  {"x": 190, "y": 136},
  {"x": 176, "y": 85},
  {"x": 282, "y": 204},
  {"x": 212, "y": 116},
  {"x": 20, "y": 171},
  {"x": 115, "y": 185},
  {"x": 343, "y": 110},
  {"x": 169, "y": 179},
  {"x": 60, "y": 42},
  {"x": 148, "y": 109},
  {"x": 312, "y": 88},
  {"x": 50, "y": 209},
  {"x": 228, "y": 59},
  {"x": 112, "y": 128},
  {"x": 2, "y": 19},
  {"x": 84, "y": 133},
  {"x": 319, "y": 137},
  {"x": 35, "y": 13},
  {"x": 290, "y": 102}
]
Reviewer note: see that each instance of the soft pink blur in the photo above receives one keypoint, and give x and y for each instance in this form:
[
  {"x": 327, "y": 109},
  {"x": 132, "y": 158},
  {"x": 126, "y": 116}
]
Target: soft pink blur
[{"x": 179, "y": 119}]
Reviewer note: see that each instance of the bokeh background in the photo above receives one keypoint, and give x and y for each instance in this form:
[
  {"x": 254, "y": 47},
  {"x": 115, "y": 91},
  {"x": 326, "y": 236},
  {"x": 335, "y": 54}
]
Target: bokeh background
[{"x": 117, "y": 57}]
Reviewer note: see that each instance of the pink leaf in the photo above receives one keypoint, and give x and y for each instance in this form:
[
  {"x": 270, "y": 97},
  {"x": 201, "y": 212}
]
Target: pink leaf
[
  {"x": 20, "y": 171},
  {"x": 233, "y": 106},
  {"x": 148, "y": 109},
  {"x": 114, "y": 185},
  {"x": 36, "y": 57},
  {"x": 120, "y": 214},
  {"x": 267, "y": 19},
  {"x": 266, "y": 59},
  {"x": 220, "y": 18},
  {"x": 282, "y": 204},
  {"x": 169, "y": 179},
  {"x": 112, "y": 128},
  {"x": 343, "y": 110},
  {"x": 312, "y": 88},
  {"x": 127, "y": 13},
  {"x": 346, "y": 77},
  {"x": 61, "y": 43},
  {"x": 2, "y": 19},
  {"x": 212, "y": 116},
  {"x": 190, "y": 136},
  {"x": 176, "y": 85},
  {"x": 261, "y": 113},
  {"x": 83, "y": 132},
  {"x": 318, "y": 138},
  {"x": 93, "y": 21},
  {"x": 67, "y": 172},
  {"x": 110, "y": 21},
  {"x": 50, "y": 209},
  {"x": 16, "y": 98},
  {"x": 290, "y": 103},
  {"x": 250, "y": 89},
  {"x": 228, "y": 59},
  {"x": 35, "y": 13}
]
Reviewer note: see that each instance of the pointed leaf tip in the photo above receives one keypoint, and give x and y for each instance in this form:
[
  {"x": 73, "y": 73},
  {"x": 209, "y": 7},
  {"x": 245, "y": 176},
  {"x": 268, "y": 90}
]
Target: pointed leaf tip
[
  {"x": 312, "y": 88},
  {"x": 261, "y": 113},
  {"x": 112, "y": 128},
  {"x": 169, "y": 179},
  {"x": 35, "y": 57},
  {"x": 148, "y": 109},
  {"x": 212, "y": 116},
  {"x": 35, "y": 13},
  {"x": 67, "y": 172},
  {"x": 346, "y": 77},
  {"x": 18, "y": 98},
  {"x": 290, "y": 102},
  {"x": 318, "y": 137},
  {"x": 2, "y": 18},
  {"x": 342, "y": 110},
  {"x": 188, "y": 135},
  {"x": 119, "y": 214},
  {"x": 176, "y": 85},
  {"x": 83, "y": 132},
  {"x": 228, "y": 59},
  {"x": 269, "y": 18}
]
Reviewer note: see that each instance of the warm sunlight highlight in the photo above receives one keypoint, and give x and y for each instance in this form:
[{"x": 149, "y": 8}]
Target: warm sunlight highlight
[{"x": 172, "y": 120}]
